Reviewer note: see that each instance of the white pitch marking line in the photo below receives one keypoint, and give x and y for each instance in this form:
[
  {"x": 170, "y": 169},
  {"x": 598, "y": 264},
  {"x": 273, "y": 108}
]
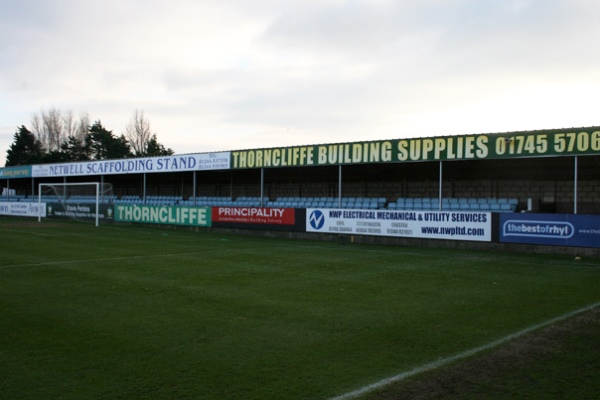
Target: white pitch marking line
[
  {"x": 445, "y": 361},
  {"x": 28, "y": 233},
  {"x": 115, "y": 258},
  {"x": 92, "y": 260}
]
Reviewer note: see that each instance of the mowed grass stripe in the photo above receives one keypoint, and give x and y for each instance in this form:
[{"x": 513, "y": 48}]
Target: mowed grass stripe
[{"x": 202, "y": 315}]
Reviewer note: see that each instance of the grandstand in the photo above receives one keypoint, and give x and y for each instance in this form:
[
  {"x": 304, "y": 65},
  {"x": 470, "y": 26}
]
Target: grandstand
[{"x": 546, "y": 172}]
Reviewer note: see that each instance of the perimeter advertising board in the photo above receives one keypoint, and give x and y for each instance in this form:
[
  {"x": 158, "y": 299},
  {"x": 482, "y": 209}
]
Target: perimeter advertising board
[
  {"x": 551, "y": 229},
  {"x": 24, "y": 209},
  {"x": 258, "y": 218},
  {"x": 79, "y": 211},
  {"x": 472, "y": 226},
  {"x": 254, "y": 215},
  {"x": 164, "y": 215}
]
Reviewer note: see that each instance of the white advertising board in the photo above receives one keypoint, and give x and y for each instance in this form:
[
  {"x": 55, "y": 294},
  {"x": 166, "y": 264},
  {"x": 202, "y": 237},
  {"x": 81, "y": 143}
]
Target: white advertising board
[
  {"x": 17, "y": 209},
  {"x": 179, "y": 163},
  {"x": 450, "y": 225}
]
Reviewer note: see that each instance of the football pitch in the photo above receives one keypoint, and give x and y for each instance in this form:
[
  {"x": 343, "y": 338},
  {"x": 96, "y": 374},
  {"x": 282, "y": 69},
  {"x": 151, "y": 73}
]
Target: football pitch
[{"x": 134, "y": 312}]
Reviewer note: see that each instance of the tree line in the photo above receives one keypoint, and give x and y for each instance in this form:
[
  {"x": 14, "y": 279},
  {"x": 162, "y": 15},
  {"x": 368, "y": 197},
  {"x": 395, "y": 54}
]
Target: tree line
[{"x": 57, "y": 136}]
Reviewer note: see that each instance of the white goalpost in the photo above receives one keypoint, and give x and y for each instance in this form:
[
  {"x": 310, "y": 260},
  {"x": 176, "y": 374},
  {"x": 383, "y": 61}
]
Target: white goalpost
[{"x": 80, "y": 201}]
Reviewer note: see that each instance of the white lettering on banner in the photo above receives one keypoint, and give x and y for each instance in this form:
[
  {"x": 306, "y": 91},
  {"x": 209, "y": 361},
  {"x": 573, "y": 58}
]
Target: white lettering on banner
[
  {"x": 251, "y": 212},
  {"x": 473, "y": 226},
  {"x": 196, "y": 216}
]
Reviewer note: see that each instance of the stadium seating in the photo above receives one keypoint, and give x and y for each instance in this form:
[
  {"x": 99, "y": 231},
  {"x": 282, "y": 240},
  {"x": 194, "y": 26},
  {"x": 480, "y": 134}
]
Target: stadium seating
[
  {"x": 369, "y": 203},
  {"x": 329, "y": 202},
  {"x": 455, "y": 204},
  {"x": 128, "y": 200},
  {"x": 12, "y": 197}
]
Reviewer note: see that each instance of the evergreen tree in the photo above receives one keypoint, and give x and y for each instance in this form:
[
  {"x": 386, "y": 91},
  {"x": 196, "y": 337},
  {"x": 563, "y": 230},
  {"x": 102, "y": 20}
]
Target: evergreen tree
[
  {"x": 155, "y": 149},
  {"x": 25, "y": 150},
  {"x": 75, "y": 149},
  {"x": 101, "y": 144},
  {"x": 54, "y": 157}
]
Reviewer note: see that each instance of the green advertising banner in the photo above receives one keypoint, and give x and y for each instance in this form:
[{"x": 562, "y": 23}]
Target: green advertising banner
[
  {"x": 78, "y": 211},
  {"x": 561, "y": 142},
  {"x": 15, "y": 172},
  {"x": 165, "y": 215}
]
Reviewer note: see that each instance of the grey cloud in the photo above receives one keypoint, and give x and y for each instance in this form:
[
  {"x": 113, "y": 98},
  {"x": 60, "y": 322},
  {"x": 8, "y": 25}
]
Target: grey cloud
[
  {"x": 260, "y": 66},
  {"x": 443, "y": 36}
]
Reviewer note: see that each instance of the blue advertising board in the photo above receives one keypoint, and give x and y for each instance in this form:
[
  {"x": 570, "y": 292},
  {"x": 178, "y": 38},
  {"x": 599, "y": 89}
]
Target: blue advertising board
[{"x": 550, "y": 229}]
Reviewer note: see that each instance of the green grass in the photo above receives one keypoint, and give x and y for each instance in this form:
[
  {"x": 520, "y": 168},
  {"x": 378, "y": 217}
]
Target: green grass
[
  {"x": 129, "y": 312},
  {"x": 560, "y": 361}
]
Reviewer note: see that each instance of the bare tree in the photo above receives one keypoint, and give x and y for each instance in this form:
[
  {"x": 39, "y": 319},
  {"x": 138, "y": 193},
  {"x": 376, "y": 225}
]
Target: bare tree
[
  {"x": 69, "y": 123},
  {"x": 48, "y": 127},
  {"x": 82, "y": 127},
  {"x": 53, "y": 128},
  {"x": 138, "y": 133},
  {"x": 37, "y": 127}
]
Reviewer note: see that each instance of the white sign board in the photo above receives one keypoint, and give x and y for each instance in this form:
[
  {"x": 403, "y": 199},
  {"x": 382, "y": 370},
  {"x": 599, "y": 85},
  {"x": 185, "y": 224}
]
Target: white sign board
[
  {"x": 188, "y": 162},
  {"x": 22, "y": 209},
  {"x": 473, "y": 226}
]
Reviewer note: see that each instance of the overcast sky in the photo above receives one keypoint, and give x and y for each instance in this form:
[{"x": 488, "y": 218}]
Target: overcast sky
[{"x": 214, "y": 75}]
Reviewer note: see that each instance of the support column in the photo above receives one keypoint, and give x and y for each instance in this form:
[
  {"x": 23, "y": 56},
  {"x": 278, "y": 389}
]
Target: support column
[
  {"x": 194, "y": 188},
  {"x": 101, "y": 188},
  {"x": 440, "y": 188},
  {"x": 575, "y": 178},
  {"x": 340, "y": 186},
  {"x": 262, "y": 186}
]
